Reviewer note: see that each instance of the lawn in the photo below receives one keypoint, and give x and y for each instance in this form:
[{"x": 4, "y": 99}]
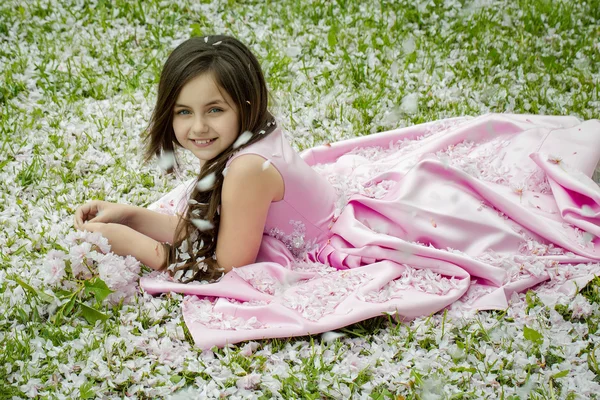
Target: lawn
[{"x": 77, "y": 85}]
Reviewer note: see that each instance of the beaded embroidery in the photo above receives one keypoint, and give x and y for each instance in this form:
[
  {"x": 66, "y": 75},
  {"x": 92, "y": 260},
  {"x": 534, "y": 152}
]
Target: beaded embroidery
[{"x": 295, "y": 241}]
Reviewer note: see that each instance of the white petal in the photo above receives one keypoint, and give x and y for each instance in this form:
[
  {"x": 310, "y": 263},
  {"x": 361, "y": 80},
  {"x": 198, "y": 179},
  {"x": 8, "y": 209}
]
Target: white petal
[
  {"x": 266, "y": 165},
  {"x": 178, "y": 275},
  {"x": 166, "y": 160},
  {"x": 206, "y": 183},
  {"x": 242, "y": 139},
  {"x": 410, "y": 103},
  {"x": 409, "y": 45},
  {"x": 188, "y": 274},
  {"x": 588, "y": 237},
  {"x": 587, "y": 211},
  {"x": 202, "y": 224},
  {"x": 331, "y": 336}
]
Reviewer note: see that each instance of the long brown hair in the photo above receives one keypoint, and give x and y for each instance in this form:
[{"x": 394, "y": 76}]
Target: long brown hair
[{"x": 238, "y": 72}]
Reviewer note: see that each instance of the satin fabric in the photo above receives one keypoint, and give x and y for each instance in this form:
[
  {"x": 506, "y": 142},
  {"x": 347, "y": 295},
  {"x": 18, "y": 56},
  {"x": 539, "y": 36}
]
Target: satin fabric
[{"x": 460, "y": 212}]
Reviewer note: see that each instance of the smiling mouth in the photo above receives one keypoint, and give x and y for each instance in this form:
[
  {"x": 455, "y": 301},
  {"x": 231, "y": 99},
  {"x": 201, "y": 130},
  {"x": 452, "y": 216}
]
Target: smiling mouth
[{"x": 202, "y": 142}]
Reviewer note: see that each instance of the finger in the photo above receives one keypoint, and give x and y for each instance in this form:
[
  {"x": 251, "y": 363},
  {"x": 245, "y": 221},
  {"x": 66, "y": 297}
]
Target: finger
[
  {"x": 88, "y": 211},
  {"x": 79, "y": 217},
  {"x": 93, "y": 227},
  {"x": 97, "y": 217}
]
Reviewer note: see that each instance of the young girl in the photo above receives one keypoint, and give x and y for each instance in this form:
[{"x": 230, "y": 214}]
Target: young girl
[
  {"x": 431, "y": 207},
  {"x": 212, "y": 101}
]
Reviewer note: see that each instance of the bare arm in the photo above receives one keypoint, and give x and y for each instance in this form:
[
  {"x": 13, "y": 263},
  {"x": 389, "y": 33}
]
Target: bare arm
[
  {"x": 247, "y": 193},
  {"x": 126, "y": 241},
  {"x": 158, "y": 226}
]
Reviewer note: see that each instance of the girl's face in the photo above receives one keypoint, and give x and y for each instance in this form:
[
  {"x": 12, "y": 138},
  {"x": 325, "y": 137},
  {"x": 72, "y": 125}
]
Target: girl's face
[{"x": 205, "y": 119}]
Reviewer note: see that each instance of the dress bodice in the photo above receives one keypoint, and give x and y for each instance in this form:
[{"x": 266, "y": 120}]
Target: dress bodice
[{"x": 302, "y": 219}]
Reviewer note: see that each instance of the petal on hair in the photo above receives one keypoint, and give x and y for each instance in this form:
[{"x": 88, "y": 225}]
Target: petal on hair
[
  {"x": 189, "y": 274},
  {"x": 192, "y": 201},
  {"x": 166, "y": 160},
  {"x": 205, "y": 39},
  {"x": 217, "y": 43},
  {"x": 206, "y": 183},
  {"x": 178, "y": 275},
  {"x": 202, "y": 224},
  {"x": 242, "y": 139},
  {"x": 266, "y": 165}
]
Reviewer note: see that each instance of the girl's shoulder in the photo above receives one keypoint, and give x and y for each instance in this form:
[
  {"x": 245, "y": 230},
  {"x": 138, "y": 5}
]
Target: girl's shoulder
[{"x": 265, "y": 148}]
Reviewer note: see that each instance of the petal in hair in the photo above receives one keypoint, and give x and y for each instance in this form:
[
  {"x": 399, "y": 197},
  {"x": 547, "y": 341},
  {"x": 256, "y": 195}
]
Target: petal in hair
[
  {"x": 206, "y": 183},
  {"x": 202, "y": 224},
  {"x": 242, "y": 139}
]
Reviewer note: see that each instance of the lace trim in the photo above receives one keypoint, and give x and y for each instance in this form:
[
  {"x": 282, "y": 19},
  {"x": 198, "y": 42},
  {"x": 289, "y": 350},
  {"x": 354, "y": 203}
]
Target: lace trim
[{"x": 295, "y": 242}]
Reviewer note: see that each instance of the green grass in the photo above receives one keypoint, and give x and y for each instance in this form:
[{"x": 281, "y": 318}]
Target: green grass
[{"x": 77, "y": 86}]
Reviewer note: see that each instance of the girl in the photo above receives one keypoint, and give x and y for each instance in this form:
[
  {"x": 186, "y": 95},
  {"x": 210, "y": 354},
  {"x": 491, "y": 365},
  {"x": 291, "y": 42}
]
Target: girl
[
  {"x": 501, "y": 198},
  {"x": 210, "y": 92}
]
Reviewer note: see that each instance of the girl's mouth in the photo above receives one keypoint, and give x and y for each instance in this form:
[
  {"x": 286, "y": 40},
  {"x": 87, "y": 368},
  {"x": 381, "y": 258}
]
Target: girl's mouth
[{"x": 204, "y": 142}]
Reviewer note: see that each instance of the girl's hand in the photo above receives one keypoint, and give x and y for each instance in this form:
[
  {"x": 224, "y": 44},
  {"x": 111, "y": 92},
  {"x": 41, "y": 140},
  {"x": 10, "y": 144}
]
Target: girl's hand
[{"x": 101, "y": 211}]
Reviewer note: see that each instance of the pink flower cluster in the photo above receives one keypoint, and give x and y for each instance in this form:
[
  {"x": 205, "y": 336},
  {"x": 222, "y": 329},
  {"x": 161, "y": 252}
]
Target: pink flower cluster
[{"x": 89, "y": 256}]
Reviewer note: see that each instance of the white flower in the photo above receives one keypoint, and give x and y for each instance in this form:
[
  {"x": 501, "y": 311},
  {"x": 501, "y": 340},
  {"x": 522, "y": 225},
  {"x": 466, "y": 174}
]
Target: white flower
[
  {"x": 580, "y": 307},
  {"x": 249, "y": 381},
  {"x": 55, "y": 271}
]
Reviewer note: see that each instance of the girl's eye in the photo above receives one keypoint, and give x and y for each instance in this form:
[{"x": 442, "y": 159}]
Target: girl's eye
[
  {"x": 182, "y": 112},
  {"x": 214, "y": 110}
]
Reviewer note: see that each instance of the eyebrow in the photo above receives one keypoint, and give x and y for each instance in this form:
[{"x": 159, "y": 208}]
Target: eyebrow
[{"x": 213, "y": 102}]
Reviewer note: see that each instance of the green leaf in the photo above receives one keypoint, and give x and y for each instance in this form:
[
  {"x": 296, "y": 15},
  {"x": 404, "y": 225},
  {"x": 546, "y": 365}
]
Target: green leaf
[
  {"x": 85, "y": 390},
  {"x": 332, "y": 37},
  {"x": 63, "y": 294},
  {"x": 560, "y": 374},
  {"x": 91, "y": 314},
  {"x": 196, "y": 29},
  {"x": 38, "y": 293},
  {"x": 532, "y": 335},
  {"x": 176, "y": 378},
  {"x": 68, "y": 307},
  {"x": 98, "y": 288}
]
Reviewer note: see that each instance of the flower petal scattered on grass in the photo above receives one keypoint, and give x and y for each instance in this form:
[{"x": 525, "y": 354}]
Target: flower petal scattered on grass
[{"x": 74, "y": 107}]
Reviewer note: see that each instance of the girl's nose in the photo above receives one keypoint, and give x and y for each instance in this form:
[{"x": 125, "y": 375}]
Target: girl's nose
[{"x": 199, "y": 125}]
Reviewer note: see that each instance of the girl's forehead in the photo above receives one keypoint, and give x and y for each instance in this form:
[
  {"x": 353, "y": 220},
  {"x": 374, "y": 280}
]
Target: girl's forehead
[{"x": 204, "y": 89}]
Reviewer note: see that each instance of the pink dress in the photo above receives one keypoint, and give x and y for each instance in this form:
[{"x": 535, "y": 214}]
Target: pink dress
[{"x": 456, "y": 214}]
